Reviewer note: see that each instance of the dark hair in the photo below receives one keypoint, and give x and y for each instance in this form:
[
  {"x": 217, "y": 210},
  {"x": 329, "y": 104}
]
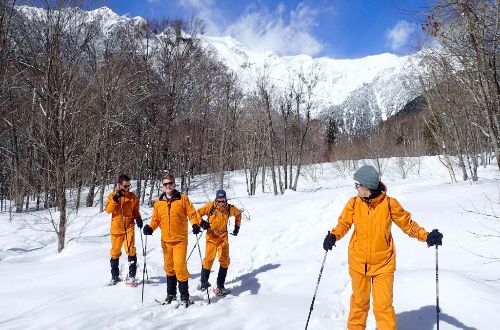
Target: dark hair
[
  {"x": 122, "y": 178},
  {"x": 168, "y": 176},
  {"x": 377, "y": 192}
]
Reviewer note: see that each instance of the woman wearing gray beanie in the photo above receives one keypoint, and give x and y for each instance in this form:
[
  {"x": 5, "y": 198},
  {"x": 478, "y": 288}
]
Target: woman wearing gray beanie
[{"x": 372, "y": 255}]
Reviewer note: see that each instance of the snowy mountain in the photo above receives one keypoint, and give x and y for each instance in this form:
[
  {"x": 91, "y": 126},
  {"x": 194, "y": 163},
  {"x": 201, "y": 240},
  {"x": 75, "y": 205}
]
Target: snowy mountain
[
  {"x": 374, "y": 87},
  {"x": 380, "y": 84}
]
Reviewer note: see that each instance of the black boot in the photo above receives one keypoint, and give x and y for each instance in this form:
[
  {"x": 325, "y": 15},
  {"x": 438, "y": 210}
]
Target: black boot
[
  {"x": 132, "y": 266},
  {"x": 204, "y": 284},
  {"x": 221, "y": 279},
  {"x": 115, "y": 271},
  {"x": 171, "y": 289},
  {"x": 184, "y": 291}
]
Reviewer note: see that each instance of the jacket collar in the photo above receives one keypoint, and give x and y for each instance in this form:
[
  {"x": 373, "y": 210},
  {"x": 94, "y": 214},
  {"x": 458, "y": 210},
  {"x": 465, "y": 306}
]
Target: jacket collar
[
  {"x": 176, "y": 195},
  {"x": 377, "y": 197},
  {"x": 373, "y": 202}
]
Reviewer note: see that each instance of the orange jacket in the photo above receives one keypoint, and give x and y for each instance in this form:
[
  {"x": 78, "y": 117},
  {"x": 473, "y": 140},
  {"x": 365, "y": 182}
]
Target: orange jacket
[
  {"x": 219, "y": 217},
  {"x": 371, "y": 248},
  {"x": 130, "y": 208},
  {"x": 171, "y": 216}
]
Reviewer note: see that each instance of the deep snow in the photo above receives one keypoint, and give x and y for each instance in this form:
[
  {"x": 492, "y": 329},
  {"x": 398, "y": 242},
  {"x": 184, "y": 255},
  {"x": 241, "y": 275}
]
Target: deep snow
[{"x": 275, "y": 262}]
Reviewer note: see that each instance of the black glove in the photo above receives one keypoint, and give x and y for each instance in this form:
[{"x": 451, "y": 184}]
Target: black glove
[
  {"x": 329, "y": 242},
  {"x": 236, "y": 230},
  {"x": 138, "y": 222},
  {"x": 147, "y": 230},
  {"x": 434, "y": 238},
  {"x": 196, "y": 229},
  {"x": 118, "y": 195},
  {"x": 205, "y": 225}
]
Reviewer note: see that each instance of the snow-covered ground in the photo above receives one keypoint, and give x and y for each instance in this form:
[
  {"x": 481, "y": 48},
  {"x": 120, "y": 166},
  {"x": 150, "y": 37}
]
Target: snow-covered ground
[{"x": 275, "y": 261}]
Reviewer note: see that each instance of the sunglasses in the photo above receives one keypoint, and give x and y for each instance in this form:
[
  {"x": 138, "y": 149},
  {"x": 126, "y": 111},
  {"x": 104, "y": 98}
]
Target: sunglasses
[
  {"x": 166, "y": 184},
  {"x": 125, "y": 186},
  {"x": 357, "y": 185}
]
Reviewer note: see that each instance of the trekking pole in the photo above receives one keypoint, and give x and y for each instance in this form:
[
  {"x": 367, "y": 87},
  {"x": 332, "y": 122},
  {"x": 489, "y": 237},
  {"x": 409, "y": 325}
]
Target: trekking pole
[
  {"x": 316, "y": 291},
  {"x": 144, "y": 247},
  {"x": 144, "y": 268},
  {"x": 194, "y": 247},
  {"x": 201, "y": 260},
  {"x": 126, "y": 236},
  {"x": 437, "y": 289}
]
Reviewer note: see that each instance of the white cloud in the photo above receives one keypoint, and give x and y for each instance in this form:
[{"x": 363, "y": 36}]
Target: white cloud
[
  {"x": 284, "y": 32},
  {"x": 398, "y": 36},
  {"x": 205, "y": 9}
]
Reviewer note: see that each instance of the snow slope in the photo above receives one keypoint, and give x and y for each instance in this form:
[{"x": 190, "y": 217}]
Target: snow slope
[{"x": 274, "y": 266}]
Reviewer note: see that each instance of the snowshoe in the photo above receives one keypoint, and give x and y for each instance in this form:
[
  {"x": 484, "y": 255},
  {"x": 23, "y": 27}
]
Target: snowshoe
[
  {"x": 170, "y": 300},
  {"x": 185, "y": 301},
  {"x": 131, "y": 281},
  {"x": 221, "y": 291},
  {"x": 114, "y": 280}
]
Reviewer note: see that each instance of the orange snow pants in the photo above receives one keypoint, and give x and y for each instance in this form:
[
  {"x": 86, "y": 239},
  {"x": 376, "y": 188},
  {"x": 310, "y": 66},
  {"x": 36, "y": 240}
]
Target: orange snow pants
[
  {"x": 174, "y": 259},
  {"x": 382, "y": 301},
  {"x": 216, "y": 245},
  {"x": 121, "y": 239}
]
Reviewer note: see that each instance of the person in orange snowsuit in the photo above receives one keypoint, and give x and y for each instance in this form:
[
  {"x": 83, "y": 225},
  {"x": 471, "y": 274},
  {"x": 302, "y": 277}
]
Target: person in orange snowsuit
[
  {"x": 124, "y": 207},
  {"x": 217, "y": 242},
  {"x": 170, "y": 212},
  {"x": 372, "y": 255}
]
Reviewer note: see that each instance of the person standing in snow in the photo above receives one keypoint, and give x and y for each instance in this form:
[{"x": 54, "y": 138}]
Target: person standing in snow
[
  {"x": 124, "y": 207},
  {"x": 218, "y": 213},
  {"x": 170, "y": 212},
  {"x": 372, "y": 255}
]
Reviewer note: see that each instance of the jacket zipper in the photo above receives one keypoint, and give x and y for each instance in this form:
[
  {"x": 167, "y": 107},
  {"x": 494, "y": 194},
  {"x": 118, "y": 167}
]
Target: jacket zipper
[
  {"x": 169, "y": 206},
  {"x": 371, "y": 237}
]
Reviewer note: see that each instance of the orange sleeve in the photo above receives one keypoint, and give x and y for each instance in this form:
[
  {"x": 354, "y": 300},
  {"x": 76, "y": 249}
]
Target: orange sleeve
[
  {"x": 237, "y": 215},
  {"x": 205, "y": 209},
  {"x": 135, "y": 212},
  {"x": 193, "y": 216},
  {"x": 345, "y": 220},
  {"x": 402, "y": 218},
  {"x": 111, "y": 204},
  {"x": 155, "y": 218}
]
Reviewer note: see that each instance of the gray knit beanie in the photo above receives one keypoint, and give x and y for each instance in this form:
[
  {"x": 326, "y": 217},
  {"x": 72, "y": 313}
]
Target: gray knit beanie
[{"x": 367, "y": 176}]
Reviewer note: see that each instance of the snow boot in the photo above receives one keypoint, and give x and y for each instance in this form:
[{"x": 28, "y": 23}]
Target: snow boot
[
  {"x": 115, "y": 270},
  {"x": 204, "y": 284},
  {"x": 184, "y": 292},
  {"x": 169, "y": 299},
  {"x": 221, "y": 279},
  {"x": 172, "y": 286},
  {"x": 132, "y": 266}
]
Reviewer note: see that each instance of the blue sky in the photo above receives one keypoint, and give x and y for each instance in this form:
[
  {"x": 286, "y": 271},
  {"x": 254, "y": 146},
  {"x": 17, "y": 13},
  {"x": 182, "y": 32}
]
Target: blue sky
[{"x": 335, "y": 28}]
